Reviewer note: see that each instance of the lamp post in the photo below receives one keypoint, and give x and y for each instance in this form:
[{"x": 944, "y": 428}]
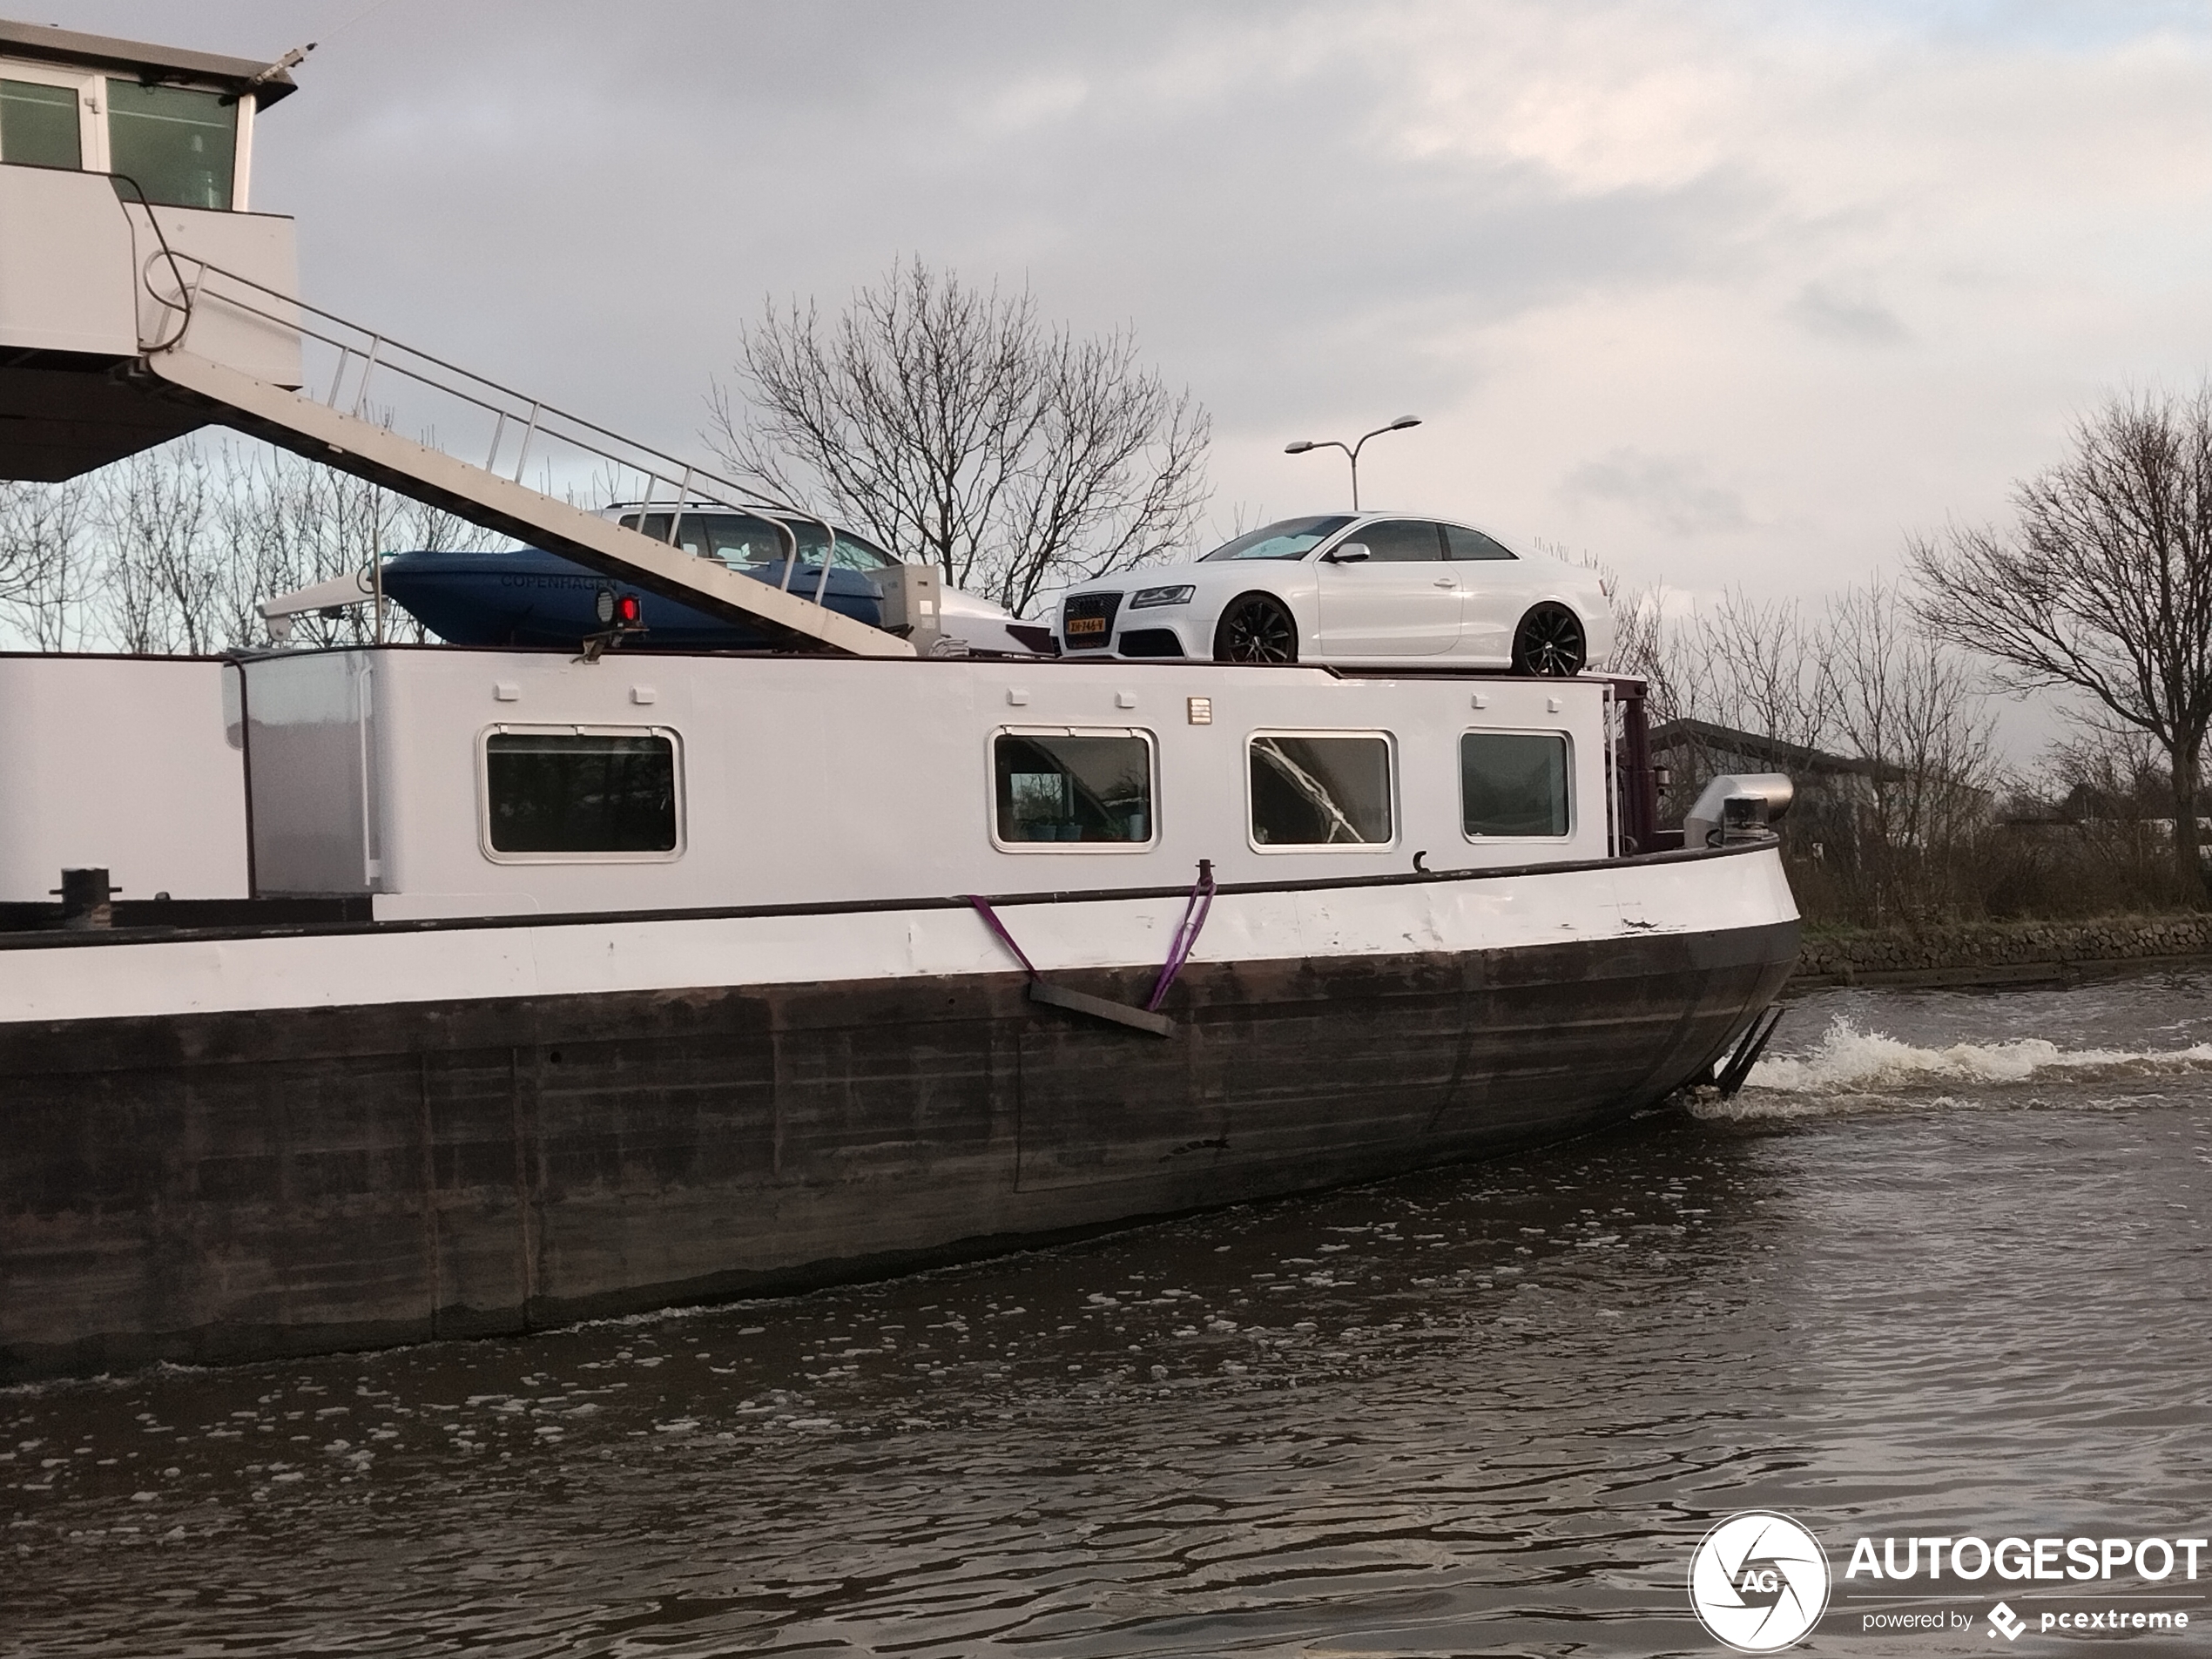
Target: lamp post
[{"x": 1353, "y": 450}]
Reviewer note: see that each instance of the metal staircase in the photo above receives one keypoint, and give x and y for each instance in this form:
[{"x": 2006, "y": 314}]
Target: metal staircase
[{"x": 206, "y": 343}]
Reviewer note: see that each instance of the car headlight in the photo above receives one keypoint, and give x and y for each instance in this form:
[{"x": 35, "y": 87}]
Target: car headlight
[{"x": 1147, "y": 599}]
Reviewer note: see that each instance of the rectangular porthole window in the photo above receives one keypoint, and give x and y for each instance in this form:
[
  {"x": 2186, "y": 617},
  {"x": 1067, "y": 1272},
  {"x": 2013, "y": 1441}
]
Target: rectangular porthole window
[
  {"x": 587, "y": 793},
  {"x": 1513, "y": 783},
  {"x": 1311, "y": 790},
  {"x": 1065, "y": 789},
  {"x": 180, "y": 146}
]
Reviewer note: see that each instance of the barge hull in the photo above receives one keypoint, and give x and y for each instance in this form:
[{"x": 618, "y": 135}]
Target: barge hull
[{"x": 240, "y": 1184}]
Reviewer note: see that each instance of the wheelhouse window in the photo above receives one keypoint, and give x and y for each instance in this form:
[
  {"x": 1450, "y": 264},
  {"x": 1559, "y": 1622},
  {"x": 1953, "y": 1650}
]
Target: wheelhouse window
[
  {"x": 1320, "y": 790},
  {"x": 177, "y": 144},
  {"x": 582, "y": 794},
  {"x": 38, "y": 125},
  {"x": 1513, "y": 783},
  {"x": 1073, "y": 788}
]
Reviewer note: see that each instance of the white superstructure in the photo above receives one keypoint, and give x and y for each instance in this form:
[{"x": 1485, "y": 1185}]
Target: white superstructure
[
  {"x": 804, "y": 781},
  {"x": 133, "y": 766}
]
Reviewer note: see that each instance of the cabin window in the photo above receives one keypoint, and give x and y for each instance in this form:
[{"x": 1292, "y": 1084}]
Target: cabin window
[
  {"x": 1310, "y": 790},
  {"x": 577, "y": 794},
  {"x": 177, "y": 144},
  {"x": 738, "y": 539},
  {"x": 689, "y": 532},
  {"x": 657, "y": 527},
  {"x": 38, "y": 125},
  {"x": 1513, "y": 784},
  {"x": 1066, "y": 788}
]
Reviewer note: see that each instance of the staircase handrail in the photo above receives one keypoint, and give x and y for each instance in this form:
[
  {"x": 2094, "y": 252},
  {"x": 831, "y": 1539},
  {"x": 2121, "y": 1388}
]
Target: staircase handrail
[{"x": 376, "y": 351}]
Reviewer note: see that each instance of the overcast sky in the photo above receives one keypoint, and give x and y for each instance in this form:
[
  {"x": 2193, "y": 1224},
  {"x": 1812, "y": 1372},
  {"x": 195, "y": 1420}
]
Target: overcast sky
[{"x": 1719, "y": 293}]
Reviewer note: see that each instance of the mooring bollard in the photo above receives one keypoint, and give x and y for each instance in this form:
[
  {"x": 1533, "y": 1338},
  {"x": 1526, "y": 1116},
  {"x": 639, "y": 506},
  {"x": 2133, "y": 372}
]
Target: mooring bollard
[{"x": 85, "y": 899}]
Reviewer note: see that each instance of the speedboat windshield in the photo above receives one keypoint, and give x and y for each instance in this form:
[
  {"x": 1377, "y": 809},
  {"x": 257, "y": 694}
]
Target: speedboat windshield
[
  {"x": 739, "y": 539},
  {"x": 1286, "y": 538}
]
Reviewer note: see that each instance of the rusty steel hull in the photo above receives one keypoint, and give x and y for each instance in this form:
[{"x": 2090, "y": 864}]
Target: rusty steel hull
[{"x": 235, "y": 1185}]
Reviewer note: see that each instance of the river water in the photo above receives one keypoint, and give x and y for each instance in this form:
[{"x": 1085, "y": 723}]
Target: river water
[{"x": 1942, "y": 1269}]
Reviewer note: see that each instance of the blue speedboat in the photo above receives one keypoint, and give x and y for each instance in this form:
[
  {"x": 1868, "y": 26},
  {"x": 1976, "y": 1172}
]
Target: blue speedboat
[
  {"x": 530, "y": 597},
  {"x": 533, "y": 598}
]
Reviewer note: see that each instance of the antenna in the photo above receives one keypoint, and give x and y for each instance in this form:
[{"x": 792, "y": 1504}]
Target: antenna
[{"x": 292, "y": 59}]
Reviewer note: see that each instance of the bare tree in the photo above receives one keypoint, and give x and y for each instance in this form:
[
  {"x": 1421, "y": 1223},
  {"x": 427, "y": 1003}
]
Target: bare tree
[
  {"x": 160, "y": 587},
  {"x": 173, "y": 550},
  {"x": 287, "y": 523},
  {"x": 43, "y": 562},
  {"x": 949, "y": 423},
  {"x": 1760, "y": 670},
  {"x": 1640, "y": 643},
  {"x": 2105, "y": 585},
  {"x": 1908, "y": 708},
  {"x": 2111, "y": 792}
]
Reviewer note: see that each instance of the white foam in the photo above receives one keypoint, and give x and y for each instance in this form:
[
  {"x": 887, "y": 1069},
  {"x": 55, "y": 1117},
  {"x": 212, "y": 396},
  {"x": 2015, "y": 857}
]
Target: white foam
[{"x": 1847, "y": 1061}]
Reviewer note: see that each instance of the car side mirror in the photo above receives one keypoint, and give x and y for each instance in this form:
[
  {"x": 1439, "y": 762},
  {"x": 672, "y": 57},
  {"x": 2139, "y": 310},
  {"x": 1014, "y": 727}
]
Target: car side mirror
[{"x": 1347, "y": 553}]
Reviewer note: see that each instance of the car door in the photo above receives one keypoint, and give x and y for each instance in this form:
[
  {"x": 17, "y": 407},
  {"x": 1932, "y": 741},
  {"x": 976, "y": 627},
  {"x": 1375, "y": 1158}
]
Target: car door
[
  {"x": 1494, "y": 591},
  {"x": 1401, "y": 600}
]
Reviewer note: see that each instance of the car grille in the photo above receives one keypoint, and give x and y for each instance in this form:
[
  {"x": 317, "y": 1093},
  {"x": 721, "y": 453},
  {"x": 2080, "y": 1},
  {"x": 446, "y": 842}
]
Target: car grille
[{"x": 1087, "y": 621}]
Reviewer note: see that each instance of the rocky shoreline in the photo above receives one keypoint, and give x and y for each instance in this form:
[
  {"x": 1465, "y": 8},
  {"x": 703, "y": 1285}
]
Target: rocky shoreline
[
  {"x": 1995, "y": 952},
  {"x": 2001, "y": 952}
]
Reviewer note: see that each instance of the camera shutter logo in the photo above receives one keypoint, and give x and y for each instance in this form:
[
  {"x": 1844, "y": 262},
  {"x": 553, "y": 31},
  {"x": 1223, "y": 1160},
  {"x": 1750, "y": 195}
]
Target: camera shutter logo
[{"x": 1759, "y": 1581}]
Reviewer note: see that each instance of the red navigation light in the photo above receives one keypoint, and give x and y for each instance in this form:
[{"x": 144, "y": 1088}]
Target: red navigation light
[{"x": 629, "y": 611}]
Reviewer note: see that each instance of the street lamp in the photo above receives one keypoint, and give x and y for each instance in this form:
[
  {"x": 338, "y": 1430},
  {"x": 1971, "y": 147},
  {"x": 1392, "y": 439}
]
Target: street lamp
[{"x": 1303, "y": 445}]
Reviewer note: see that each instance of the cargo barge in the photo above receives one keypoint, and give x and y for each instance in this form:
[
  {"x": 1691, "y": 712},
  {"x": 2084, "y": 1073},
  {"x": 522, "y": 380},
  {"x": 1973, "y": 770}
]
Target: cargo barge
[{"x": 371, "y": 994}]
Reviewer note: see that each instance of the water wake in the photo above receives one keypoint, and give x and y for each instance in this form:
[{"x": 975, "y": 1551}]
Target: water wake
[{"x": 1848, "y": 1062}]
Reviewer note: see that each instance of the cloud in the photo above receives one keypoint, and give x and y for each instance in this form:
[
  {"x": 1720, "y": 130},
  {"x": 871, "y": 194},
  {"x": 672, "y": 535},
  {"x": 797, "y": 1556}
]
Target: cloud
[
  {"x": 1672, "y": 493},
  {"x": 1854, "y": 319}
]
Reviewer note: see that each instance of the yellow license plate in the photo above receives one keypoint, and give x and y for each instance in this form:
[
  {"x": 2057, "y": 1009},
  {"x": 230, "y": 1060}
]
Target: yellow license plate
[{"x": 1085, "y": 625}]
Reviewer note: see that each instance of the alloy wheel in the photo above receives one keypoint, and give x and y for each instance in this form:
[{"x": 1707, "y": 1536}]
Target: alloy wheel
[
  {"x": 1255, "y": 628},
  {"x": 1549, "y": 642}
]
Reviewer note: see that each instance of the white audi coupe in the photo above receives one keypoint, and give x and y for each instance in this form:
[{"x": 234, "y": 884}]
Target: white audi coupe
[{"x": 1350, "y": 588}]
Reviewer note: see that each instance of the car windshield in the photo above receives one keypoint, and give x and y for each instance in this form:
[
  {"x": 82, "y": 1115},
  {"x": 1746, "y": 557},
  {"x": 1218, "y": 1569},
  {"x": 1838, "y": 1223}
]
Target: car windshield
[{"x": 1287, "y": 538}]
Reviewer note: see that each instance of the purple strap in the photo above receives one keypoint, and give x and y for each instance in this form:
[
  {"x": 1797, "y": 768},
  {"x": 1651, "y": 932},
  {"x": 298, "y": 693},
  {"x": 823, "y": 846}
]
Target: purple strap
[
  {"x": 1186, "y": 933},
  {"x": 991, "y": 921}
]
